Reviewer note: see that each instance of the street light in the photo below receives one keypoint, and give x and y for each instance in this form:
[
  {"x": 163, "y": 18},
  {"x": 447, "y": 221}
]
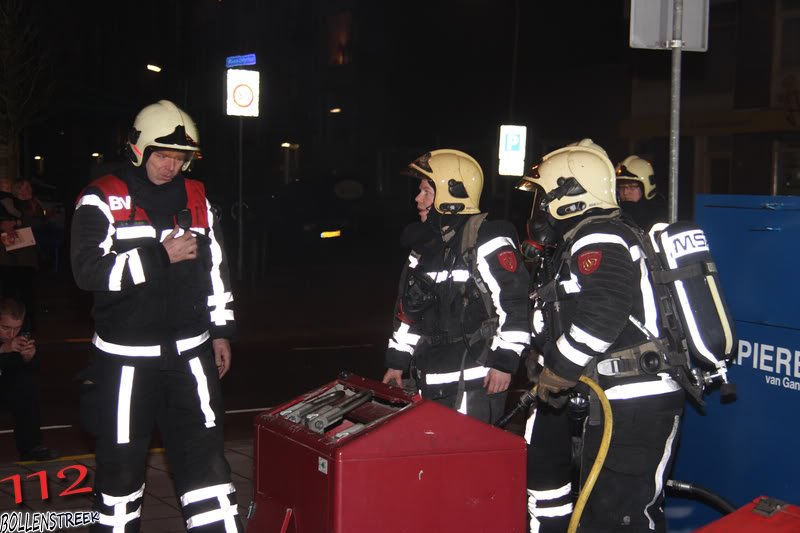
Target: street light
[
  {"x": 335, "y": 110},
  {"x": 153, "y": 68},
  {"x": 288, "y": 149},
  {"x": 38, "y": 164}
]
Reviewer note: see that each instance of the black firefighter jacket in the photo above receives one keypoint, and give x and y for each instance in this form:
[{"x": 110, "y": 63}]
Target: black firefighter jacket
[
  {"x": 440, "y": 307},
  {"x": 607, "y": 302},
  {"x": 141, "y": 301}
]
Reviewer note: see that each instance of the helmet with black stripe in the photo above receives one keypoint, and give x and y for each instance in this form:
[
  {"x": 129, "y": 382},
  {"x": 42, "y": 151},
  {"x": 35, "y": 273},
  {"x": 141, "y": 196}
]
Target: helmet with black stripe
[
  {"x": 638, "y": 170},
  {"x": 574, "y": 179},
  {"x": 456, "y": 177},
  {"x": 162, "y": 125}
]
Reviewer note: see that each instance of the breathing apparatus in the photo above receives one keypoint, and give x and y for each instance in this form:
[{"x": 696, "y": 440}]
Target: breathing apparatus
[{"x": 578, "y": 180}]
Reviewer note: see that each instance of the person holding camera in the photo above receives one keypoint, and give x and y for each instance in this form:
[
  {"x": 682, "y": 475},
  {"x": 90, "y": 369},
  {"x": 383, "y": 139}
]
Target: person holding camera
[{"x": 19, "y": 382}]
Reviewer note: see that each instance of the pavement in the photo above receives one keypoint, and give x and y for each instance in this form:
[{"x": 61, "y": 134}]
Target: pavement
[
  {"x": 63, "y": 318},
  {"x": 63, "y": 325},
  {"x": 161, "y": 511}
]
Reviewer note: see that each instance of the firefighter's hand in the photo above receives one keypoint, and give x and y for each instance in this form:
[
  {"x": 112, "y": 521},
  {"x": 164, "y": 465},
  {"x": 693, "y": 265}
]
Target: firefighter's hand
[
  {"x": 222, "y": 355},
  {"x": 393, "y": 377},
  {"x": 180, "y": 248},
  {"x": 552, "y": 383},
  {"x": 496, "y": 381}
]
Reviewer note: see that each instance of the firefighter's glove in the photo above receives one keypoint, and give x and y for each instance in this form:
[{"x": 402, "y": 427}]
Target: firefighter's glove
[
  {"x": 552, "y": 383},
  {"x": 532, "y": 366}
]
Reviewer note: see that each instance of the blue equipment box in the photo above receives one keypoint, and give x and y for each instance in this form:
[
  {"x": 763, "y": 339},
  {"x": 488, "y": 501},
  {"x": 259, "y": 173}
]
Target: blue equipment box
[{"x": 749, "y": 447}]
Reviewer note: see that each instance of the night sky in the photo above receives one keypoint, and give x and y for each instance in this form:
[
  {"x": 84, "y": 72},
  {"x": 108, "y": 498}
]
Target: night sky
[{"x": 425, "y": 74}]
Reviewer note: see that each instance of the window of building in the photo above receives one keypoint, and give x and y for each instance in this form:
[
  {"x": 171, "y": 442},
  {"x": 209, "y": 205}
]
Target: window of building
[
  {"x": 788, "y": 169},
  {"x": 786, "y": 62},
  {"x": 719, "y": 173}
]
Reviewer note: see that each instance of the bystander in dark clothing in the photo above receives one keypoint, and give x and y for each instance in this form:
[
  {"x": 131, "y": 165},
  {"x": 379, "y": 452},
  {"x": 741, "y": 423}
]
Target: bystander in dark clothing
[
  {"x": 18, "y": 266},
  {"x": 19, "y": 382}
]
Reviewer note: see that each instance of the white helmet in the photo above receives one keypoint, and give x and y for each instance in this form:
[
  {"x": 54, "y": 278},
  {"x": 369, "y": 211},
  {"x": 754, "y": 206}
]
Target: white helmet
[
  {"x": 640, "y": 170},
  {"x": 575, "y": 179},
  {"x": 163, "y": 125},
  {"x": 457, "y": 179}
]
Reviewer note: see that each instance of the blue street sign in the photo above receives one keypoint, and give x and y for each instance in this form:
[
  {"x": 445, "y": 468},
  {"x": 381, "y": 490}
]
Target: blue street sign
[{"x": 240, "y": 61}]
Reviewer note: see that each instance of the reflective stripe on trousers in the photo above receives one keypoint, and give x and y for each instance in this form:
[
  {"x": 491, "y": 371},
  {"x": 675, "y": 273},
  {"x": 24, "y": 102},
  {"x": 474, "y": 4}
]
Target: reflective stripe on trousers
[
  {"x": 118, "y": 505},
  {"x": 226, "y": 513}
]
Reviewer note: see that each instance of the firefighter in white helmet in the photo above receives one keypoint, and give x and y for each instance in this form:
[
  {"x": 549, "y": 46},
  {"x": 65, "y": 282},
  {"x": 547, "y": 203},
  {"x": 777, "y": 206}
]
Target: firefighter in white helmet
[
  {"x": 598, "y": 318},
  {"x": 461, "y": 317},
  {"x": 146, "y": 242},
  {"x": 638, "y": 195}
]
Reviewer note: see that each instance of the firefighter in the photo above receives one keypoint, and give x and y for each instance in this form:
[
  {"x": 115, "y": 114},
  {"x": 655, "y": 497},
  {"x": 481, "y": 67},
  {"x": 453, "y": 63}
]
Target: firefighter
[
  {"x": 598, "y": 318},
  {"x": 461, "y": 317},
  {"x": 638, "y": 196},
  {"x": 147, "y": 243}
]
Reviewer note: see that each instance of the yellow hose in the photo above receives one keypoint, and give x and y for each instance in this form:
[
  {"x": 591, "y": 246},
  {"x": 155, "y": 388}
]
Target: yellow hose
[{"x": 608, "y": 421}]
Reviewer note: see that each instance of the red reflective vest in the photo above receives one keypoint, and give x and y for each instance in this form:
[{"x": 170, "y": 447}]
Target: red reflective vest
[{"x": 118, "y": 198}]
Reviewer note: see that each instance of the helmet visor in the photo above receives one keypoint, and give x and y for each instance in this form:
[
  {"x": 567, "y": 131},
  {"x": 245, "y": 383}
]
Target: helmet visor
[
  {"x": 623, "y": 172},
  {"x": 423, "y": 162},
  {"x": 525, "y": 185}
]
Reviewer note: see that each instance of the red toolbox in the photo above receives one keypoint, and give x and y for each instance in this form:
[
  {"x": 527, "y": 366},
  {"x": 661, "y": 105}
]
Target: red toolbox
[
  {"x": 357, "y": 456},
  {"x": 762, "y": 514}
]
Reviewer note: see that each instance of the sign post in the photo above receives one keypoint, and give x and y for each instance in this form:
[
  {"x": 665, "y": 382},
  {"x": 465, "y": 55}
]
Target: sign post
[
  {"x": 242, "y": 101},
  {"x": 674, "y": 25}
]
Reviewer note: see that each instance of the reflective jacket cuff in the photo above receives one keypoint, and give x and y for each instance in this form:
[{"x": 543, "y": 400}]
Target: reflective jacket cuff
[
  {"x": 224, "y": 332},
  {"x": 559, "y": 364},
  {"x": 397, "y": 360},
  {"x": 503, "y": 360}
]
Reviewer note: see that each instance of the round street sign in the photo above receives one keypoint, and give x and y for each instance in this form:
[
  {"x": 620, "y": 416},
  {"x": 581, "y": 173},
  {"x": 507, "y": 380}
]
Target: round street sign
[
  {"x": 243, "y": 92},
  {"x": 242, "y": 95}
]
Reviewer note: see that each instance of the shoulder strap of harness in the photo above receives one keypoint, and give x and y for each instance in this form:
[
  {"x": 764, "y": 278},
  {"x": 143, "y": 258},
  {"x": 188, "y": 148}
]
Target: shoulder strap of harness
[
  {"x": 469, "y": 240},
  {"x": 549, "y": 291},
  {"x": 614, "y": 215}
]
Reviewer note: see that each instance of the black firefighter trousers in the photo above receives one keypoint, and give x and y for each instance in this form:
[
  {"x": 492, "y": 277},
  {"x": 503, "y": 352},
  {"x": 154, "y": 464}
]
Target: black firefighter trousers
[
  {"x": 121, "y": 402},
  {"x": 628, "y": 495}
]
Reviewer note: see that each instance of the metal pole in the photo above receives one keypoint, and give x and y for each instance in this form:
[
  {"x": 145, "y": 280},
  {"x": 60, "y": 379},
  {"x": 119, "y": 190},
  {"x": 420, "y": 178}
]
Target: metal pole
[
  {"x": 240, "y": 255},
  {"x": 515, "y": 53},
  {"x": 675, "y": 107},
  {"x": 286, "y": 162},
  {"x": 512, "y": 97}
]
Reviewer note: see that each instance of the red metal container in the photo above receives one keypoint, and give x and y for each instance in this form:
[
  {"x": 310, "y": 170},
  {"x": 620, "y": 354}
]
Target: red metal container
[
  {"x": 387, "y": 461},
  {"x": 762, "y": 514}
]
